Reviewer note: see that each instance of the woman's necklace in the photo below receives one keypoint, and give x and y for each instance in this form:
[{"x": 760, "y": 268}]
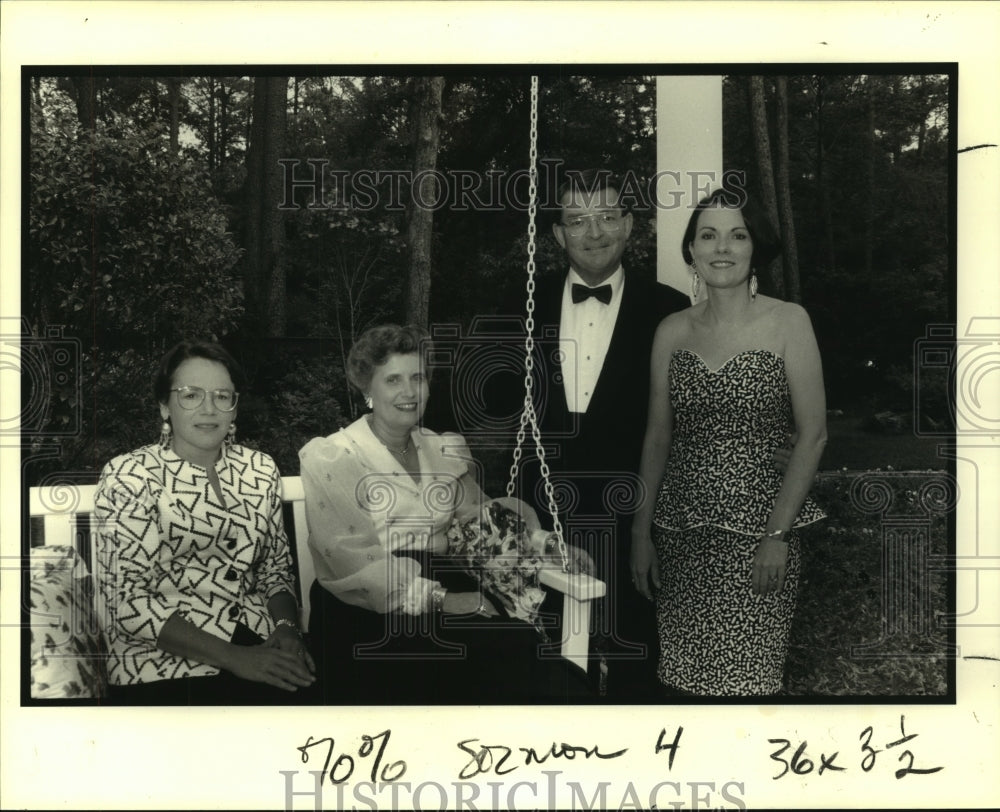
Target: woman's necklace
[{"x": 399, "y": 452}]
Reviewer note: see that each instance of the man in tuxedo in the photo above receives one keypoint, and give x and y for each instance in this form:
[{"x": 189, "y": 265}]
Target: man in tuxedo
[{"x": 592, "y": 398}]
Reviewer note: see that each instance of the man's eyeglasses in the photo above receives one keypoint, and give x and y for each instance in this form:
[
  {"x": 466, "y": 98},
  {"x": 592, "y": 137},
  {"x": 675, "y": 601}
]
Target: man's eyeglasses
[
  {"x": 191, "y": 397},
  {"x": 608, "y": 221}
]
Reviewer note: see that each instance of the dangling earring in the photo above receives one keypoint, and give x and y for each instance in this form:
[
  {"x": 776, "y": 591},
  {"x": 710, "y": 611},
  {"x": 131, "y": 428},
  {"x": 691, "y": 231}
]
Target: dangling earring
[
  {"x": 231, "y": 433},
  {"x": 753, "y": 285},
  {"x": 165, "y": 433},
  {"x": 695, "y": 285},
  {"x": 368, "y": 401}
]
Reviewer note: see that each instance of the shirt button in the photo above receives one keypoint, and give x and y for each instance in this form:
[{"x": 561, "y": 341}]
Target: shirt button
[
  {"x": 231, "y": 574},
  {"x": 230, "y": 544},
  {"x": 234, "y": 612}
]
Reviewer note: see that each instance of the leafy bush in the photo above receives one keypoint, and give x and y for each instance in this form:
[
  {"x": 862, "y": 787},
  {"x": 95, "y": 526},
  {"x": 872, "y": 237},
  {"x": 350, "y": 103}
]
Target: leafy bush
[
  {"x": 128, "y": 249},
  {"x": 303, "y": 403}
]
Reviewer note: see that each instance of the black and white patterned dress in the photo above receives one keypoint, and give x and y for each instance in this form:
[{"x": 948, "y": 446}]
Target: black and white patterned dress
[{"x": 716, "y": 636}]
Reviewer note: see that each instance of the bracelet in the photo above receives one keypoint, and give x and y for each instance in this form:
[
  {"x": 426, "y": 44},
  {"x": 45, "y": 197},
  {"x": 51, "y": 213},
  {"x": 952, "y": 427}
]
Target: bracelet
[
  {"x": 438, "y": 594},
  {"x": 777, "y": 535},
  {"x": 284, "y": 621}
]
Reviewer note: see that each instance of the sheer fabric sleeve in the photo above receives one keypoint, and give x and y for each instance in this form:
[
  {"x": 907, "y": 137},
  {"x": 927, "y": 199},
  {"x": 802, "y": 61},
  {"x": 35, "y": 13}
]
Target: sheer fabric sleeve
[
  {"x": 470, "y": 499},
  {"x": 351, "y": 562}
]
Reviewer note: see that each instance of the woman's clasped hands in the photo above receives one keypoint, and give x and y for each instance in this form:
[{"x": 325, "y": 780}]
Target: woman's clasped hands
[
  {"x": 468, "y": 603},
  {"x": 282, "y": 661}
]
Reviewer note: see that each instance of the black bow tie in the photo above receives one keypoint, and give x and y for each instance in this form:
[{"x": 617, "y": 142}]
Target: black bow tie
[{"x": 581, "y": 293}]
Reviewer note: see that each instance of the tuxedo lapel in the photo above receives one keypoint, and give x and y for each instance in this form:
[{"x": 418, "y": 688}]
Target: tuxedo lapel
[{"x": 549, "y": 379}]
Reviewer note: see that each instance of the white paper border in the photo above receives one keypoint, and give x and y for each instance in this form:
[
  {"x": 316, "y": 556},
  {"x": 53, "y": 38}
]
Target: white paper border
[{"x": 220, "y": 758}]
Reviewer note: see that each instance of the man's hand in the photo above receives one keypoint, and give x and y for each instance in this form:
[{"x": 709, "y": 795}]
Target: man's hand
[
  {"x": 580, "y": 560},
  {"x": 783, "y": 455}
]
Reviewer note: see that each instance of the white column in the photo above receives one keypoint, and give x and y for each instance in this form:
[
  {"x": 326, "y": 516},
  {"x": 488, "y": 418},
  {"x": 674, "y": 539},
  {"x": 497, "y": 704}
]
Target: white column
[{"x": 688, "y": 163}]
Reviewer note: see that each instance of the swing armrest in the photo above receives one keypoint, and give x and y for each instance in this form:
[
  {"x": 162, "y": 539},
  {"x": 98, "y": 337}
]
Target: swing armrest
[
  {"x": 578, "y": 586},
  {"x": 578, "y": 591}
]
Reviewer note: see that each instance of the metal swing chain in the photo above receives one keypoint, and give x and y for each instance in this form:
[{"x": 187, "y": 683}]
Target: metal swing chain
[{"x": 528, "y": 415}]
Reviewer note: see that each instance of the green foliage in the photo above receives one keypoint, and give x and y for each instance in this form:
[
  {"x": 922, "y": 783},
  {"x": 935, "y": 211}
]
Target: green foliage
[
  {"x": 130, "y": 246},
  {"x": 128, "y": 249},
  {"x": 853, "y": 444},
  {"x": 127, "y": 236},
  {"x": 869, "y": 178},
  {"x": 840, "y": 610},
  {"x": 303, "y": 403}
]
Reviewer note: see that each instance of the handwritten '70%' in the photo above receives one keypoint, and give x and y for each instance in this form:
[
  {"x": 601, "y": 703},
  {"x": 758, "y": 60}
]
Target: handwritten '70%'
[{"x": 341, "y": 768}]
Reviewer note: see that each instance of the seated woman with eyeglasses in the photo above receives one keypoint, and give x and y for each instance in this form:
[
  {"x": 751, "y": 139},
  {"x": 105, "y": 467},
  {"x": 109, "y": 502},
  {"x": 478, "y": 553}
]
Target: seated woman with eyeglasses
[{"x": 193, "y": 561}]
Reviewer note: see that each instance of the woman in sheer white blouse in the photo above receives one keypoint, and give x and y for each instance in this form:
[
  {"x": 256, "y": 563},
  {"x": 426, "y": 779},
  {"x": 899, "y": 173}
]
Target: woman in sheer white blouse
[{"x": 398, "y": 616}]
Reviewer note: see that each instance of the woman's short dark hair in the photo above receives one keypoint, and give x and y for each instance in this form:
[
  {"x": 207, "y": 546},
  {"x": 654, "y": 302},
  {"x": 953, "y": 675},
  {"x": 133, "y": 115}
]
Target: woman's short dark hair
[
  {"x": 375, "y": 346},
  {"x": 184, "y": 350},
  {"x": 766, "y": 245}
]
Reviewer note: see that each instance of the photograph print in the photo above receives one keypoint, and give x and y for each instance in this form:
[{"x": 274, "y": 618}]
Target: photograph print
[{"x": 487, "y": 385}]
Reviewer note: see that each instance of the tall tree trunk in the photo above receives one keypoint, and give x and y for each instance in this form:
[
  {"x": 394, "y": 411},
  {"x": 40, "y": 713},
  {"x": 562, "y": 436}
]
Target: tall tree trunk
[
  {"x": 869, "y": 204},
  {"x": 85, "y": 91},
  {"x": 210, "y": 129},
  {"x": 826, "y": 209},
  {"x": 264, "y": 237},
  {"x": 426, "y": 106},
  {"x": 765, "y": 171},
  {"x": 37, "y": 109},
  {"x": 921, "y": 95},
  {"x": 222, "y": 138},
  {"x": 174, "y": 98},
  {"x": 790, "y": 253}
]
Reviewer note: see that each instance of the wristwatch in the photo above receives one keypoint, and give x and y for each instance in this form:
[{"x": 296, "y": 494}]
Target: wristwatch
[{"x": 284, "y": 621}]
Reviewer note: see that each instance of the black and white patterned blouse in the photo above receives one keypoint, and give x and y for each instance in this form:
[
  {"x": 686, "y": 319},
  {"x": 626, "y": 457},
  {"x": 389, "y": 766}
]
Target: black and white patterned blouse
[{"x": 167, "y": 544}]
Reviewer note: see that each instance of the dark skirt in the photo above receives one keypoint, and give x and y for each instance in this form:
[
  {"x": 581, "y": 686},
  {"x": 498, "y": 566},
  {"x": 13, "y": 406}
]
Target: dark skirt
[{"x": 369, "y": 658}]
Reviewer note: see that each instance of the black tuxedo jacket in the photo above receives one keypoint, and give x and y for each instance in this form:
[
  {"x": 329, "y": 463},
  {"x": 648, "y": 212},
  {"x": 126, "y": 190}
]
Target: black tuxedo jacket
[
  {"x": 608, "y": 436},
  {"x": 593, "y": 449}
]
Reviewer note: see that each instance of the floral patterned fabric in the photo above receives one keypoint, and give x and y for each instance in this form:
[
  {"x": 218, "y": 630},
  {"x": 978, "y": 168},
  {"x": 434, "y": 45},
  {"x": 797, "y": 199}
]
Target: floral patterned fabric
[
  {"x": 67, "y": 660},
  {"x": 499, "y": 550}
]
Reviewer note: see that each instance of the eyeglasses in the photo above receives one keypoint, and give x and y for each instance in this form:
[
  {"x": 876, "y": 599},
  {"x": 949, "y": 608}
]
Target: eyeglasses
[
  {"x": 191, "y": 397},
  {"x": 608, "y": 221}
]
